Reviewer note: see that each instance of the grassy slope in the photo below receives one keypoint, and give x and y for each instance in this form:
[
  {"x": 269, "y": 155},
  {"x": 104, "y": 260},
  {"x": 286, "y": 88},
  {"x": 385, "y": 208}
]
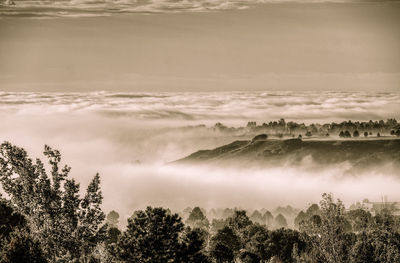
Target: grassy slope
[{"x": 359, "y": 152}]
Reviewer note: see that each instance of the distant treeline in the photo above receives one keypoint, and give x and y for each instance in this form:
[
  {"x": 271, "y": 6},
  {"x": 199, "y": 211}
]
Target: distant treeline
[
  {"x": 44, "y": 219},
  {"x": 344, "y": 129}
]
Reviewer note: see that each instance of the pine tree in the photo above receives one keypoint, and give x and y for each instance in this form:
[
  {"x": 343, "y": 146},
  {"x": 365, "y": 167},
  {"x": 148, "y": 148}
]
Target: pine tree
[{"x": 157, "y": 236}]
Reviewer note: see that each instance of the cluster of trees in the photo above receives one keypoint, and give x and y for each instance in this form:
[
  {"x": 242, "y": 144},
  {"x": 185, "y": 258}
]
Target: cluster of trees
[
  {"x": 215, "y": 217},
  {"x": 44, "y": 219},
  {"x": 347, "y": 134},
  {"x": 346, "y": 128}
]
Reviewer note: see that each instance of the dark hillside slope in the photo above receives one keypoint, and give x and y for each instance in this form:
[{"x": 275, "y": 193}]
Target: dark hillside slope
[{"x": 358, "y": 152}]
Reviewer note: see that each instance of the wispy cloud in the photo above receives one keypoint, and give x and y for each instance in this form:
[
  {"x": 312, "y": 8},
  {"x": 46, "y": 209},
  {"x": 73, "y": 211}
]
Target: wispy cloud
[{"x": 73, "y": 8}]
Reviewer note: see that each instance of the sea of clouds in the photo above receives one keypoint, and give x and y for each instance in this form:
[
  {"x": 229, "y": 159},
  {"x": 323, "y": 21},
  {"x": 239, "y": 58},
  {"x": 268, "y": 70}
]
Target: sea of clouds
[
  {"x": 73, "y": 8},
  {"x": 131, "y": 138}
]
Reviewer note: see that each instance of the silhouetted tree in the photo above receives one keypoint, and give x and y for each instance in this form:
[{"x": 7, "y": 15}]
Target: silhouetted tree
[
  {"x": 256, "y": 241},
  {"x": 197, "y": 219},
  {"x": 268, "y": 218},
  {"x": 257, "y": 217},
  {"x": 20, "y": 246},
  {"x": 239, "y": 221},
  {"x": 280, "y": 221},
  {"x": 281, "y": 243},
  {"x": 327, "y": 231},
  {"x": 154, "y": 235},
  {"x": 112, "y": 235},
  {"x": 16, "y": 241},
  {"x": 66, "y": 226},
  {"x": 248, "y": 257},
  {"x": 301, "y": 216},
  {"x": 193, "y": 246},
  {"x": 224, "y": 245},
  {"x": 9, "y": 219},
  {"x": 359, "y": 219},
  {"x": 356, "y": 133}
]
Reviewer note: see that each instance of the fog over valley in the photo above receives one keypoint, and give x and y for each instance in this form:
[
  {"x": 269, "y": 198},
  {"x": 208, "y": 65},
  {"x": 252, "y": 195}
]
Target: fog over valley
[{"x": 132, "y": 140}]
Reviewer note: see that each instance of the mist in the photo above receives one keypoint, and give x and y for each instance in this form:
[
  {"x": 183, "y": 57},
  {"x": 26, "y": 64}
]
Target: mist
[{"x": 133, "y": 146}]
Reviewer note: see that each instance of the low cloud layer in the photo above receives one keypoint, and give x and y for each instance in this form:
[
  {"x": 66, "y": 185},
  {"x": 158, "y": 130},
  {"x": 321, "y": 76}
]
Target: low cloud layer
[
  {"x": 130, "y": 137},
  {"x": 230, "y": 108}
]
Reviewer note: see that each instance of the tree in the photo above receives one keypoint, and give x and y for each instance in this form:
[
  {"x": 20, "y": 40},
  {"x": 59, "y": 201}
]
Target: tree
[
  {"x": 112, "y": 219},
  {"x": 197, "y": 219},
  {"x": 379, "y": 242},
  {"x": 9, "y": 220},
  {"x": 260, "y": 137},
  {"x": 347, "y": 134},
  {"x": 112, "y": 235},
  {"x": 224, "y": 245},
  {"x": 193, "y": 246},
  {"x": 301, "y": 216},
  {"x": 308, "y": 134},
  {"x": 155, "y": 235},
  {"x": 217, "y": 224},
  {"x": 268, "y": 218},
  {"x": 66, "y": 226},
  {"x": 359, "y": 219},
  {"x": 280, "y": 221},
  {"x": 257, "y": 217},
  {"x": 327, "y": 231},
  {"x": 239, "y": 221},
  {"x": 256, "y": 241},
  {"x": 281, "y": 243},
  {"x": 365, "y": 134},
  {"x": 363, "y": 250},
  {"x": 16, "y": 241},
  {"x": 248, "y": 257},
  {"x": 20, "y": 246},
  {"x": 356, "y": 133}
]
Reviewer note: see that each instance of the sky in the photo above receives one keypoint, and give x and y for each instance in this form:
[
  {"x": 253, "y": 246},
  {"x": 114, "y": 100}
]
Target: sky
[{"x": 200, "y": 46}]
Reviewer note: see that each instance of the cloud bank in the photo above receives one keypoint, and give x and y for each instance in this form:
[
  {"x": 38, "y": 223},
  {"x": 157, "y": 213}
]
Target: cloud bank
[
  {"x": 191, "y": 108},
  {"x": 73, "y": 8},
  {"x": 129, "y": 137}
]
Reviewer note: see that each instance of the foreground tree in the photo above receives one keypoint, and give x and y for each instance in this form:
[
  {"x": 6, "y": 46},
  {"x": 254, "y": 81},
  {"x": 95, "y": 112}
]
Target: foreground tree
[
  {"x": 157, "y": 236},
  {"x": 67, "y": 227},
  {"x": 225, "y": 245},
  {"x": 16, "y": 241},
  {"x": 282, "y": 242},
  {"x": 379, "y": 242},
  {"x": 328, "y": 232},
  {"x": 20, "y": 246}
]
